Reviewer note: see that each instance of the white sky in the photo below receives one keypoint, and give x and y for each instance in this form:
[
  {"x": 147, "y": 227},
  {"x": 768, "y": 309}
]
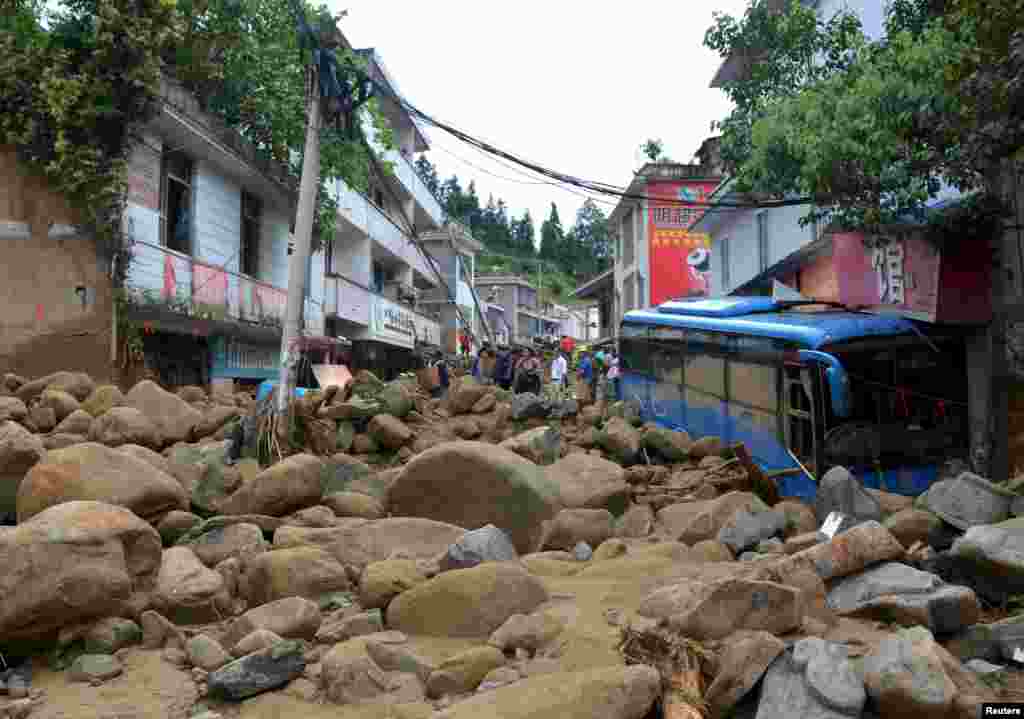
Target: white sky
[{"x": 567, "y": 84}]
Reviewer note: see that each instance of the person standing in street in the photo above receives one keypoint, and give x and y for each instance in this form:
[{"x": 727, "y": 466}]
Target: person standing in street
[
  {"x": 585, "y": 373},
  {"x": 559, "y": 368},
  {"x": 615, "y": 374}
]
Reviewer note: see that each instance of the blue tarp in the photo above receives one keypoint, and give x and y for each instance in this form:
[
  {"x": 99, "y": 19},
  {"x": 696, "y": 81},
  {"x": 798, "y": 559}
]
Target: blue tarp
[{"x": 268, "y": 386}]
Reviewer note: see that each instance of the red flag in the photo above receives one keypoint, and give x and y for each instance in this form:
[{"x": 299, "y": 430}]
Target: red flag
[{"x": 39, "y": 313}]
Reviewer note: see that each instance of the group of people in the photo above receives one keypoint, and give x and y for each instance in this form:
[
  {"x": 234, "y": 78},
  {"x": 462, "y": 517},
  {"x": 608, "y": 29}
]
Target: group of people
[{"x": 522, "y": 370}]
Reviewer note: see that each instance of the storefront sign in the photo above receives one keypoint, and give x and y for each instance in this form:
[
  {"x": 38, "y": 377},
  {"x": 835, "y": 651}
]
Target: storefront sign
[
  {"x": 903, "y": 274},
  {"x": 680, "y": 260},
  {"x": 392, "y": 323},
  {"x": 233, "y": 358}
]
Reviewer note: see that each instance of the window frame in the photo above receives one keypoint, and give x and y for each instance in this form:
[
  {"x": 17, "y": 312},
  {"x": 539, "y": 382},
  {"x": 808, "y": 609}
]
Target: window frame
[
  {"x": 762, "y": 241},
  {"x": 726, "y": 279},
  {"x": 251, "y": 221},
  {"x": 167, "y": 176}
]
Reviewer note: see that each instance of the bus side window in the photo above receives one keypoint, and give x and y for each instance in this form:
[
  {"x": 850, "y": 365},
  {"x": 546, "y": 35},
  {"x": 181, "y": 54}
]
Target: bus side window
[{"x": 798, "y": 391}]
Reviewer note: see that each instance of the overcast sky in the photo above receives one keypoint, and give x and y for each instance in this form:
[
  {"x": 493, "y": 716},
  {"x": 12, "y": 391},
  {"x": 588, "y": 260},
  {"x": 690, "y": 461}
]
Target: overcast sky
[{"x": 570, "y": 85}]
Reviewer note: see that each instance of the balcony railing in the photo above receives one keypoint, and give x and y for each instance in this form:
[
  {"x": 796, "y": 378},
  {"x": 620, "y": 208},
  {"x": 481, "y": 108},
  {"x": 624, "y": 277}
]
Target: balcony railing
[
  {"x": 160, "y": 278},
  {"x": 407, "y": 176}
]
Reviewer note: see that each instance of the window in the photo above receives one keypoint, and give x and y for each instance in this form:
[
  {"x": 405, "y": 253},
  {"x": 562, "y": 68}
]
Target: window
[
  {"x": 726, "y": 280},
  {"x": 378, "y": 197},
  {"x": 762, "y": 241},
  {"x": 378, "y": 278},
  {"x": 309, "y": 275},
  {"x": 641, "y": 292},
  {"x": 176, "y": 202},
  {"x": 754, "y": 385},
  {"x": 251, "y": 212}
]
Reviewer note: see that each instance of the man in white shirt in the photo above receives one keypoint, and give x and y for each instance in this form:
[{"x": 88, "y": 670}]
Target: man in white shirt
[{"x": 559, "y": 371}]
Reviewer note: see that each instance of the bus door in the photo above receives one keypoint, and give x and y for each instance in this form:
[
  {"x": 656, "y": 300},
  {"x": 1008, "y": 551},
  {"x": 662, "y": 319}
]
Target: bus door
[{"x": 802, "y": 413}]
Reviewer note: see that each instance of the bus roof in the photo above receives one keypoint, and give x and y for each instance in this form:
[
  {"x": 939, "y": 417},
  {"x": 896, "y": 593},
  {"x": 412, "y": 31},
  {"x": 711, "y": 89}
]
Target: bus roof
[{"x": 765, "y": 317}]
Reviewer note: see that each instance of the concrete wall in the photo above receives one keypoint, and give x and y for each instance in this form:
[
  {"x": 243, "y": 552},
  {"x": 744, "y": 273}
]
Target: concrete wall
[
  {"x": 44, "y": 326},
  {"x": 739, "y": 229}
]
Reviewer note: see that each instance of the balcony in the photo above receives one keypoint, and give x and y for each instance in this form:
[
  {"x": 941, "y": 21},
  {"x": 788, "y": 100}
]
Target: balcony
[
  {"x": 408, "y": 179},
  {"x": 163, "y": 280},
  {"x": 374, "y": 223}
]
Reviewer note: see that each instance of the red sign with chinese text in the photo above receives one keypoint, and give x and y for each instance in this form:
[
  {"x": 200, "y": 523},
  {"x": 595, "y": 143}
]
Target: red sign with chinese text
[{"x": 680, "y": 260}]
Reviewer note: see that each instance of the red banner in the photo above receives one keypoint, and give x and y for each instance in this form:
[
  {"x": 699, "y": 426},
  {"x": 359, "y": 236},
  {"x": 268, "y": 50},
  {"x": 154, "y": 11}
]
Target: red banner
[
  {"x": 170, "y": 281},
  {"x": 209, "y": 285},
  {"x": 680, "y": 260}
]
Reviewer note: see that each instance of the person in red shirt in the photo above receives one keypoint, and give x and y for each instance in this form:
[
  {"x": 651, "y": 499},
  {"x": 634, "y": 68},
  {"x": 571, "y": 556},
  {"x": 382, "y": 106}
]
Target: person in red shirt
[{"x": 568, "y": 344}]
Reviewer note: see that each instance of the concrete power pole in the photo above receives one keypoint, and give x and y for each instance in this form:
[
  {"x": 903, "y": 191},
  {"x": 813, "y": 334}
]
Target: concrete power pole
[{"x": 308, "y": 186}]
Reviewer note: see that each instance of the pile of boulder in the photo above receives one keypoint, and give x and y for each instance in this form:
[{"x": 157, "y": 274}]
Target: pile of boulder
[{"x": 471, "y": 557}]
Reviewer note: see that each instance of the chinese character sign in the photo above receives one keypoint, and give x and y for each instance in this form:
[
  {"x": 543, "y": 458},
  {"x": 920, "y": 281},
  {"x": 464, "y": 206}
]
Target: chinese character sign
[{"x": 680, "y": 260}]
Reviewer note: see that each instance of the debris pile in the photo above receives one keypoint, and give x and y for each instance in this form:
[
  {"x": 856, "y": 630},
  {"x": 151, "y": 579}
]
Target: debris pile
[{"x": 481, "y": 555}]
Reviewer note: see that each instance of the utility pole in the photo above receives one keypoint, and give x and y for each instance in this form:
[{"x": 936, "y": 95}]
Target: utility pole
[{"x": 308, "y": 186}]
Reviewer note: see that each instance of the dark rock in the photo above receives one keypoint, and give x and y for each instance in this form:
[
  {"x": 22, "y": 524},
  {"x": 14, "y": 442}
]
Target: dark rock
[
  {"x": 745, "y": 530},
  {"x": 968, "y": 501},
  {"x": 487, "y": 544},
  {"x": 528, "y": 406},
  {"x": 839, "y": 491},
  {"x": 261, "y": 671}
]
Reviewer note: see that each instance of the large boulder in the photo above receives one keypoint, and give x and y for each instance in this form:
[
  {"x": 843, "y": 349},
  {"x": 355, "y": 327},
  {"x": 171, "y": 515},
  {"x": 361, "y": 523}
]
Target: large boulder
[
  {"x": 487, "y": 544},
  {"x": 396, "y": 399},
  {"x": 905, "y": 676},
  {"x": 258, "y": 672},
  {"x": 188, "y": 592},
  {"x": 990, "y": 558},
  {"x": 847, "y": 553},
  {"x": 667, "y": 444},
  {"x": 235, "y": 541},
  {"x": 92, "y": 471},
  {"x": 692, "y": 522},
  {"x": 588, "y": 482},
  {"x": 78, "y": 384},
  {"x": 616, "y": 692},
  {"x": 969, "y": 501},
  {"x": 620, "y": 440},
  {"x": 62, "y": 403},
  {"x": 815, "y": 679},
  {"x": 124, "y": 425},
  {"x": 202, "y": 469},
  {"x": 912, "y": 525},
  {"x": 467, "y": 602},
  {"x": 839, "y": 491},
  {"x": 472, "y": 484},
  {"x": 464, "y": 394},
  {"x": 78, "y": 422},
  {"x": 173, "y": 416},
  {"x": 214, "y": 419},
  {"x": 12, "y": 408},
  {"x": 70, "y": 563},
  {"x": 389, "y": 431},
  {"x": 541, "y": 445},
  {"x": 744, "y": 661},
  {"x": 291, "y": 618},
  {"x": 360, "y": 541},
  {"x": 572, "y": 526},
  {"x": 290, "y": 485},
  {"x": 383, "y": 581},
  {"x": 896, "y": 592},
  {"x": 102, "y": 399},
  {"x": 746, "y": 529},
  {"x": 20, "y": 450},
  {"x": 295, "y": 572}
]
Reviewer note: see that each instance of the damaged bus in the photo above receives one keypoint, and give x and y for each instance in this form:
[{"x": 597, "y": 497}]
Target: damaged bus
[{"x": 805, "y": 386}]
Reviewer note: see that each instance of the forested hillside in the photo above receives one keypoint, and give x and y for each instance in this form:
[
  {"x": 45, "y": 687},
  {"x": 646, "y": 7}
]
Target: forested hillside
[{"x": 563, "y": 258}]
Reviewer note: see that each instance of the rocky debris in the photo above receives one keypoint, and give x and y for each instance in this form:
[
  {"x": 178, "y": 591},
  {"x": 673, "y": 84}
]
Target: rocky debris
[
  {"x": 968, "y": 501},
  {"x": 464, "y": 394},
  {"x": 912, "y": 525},
  {"x": 203, "y": 471},
  {"x": 996, "y": 642},
  {"x": 588, "y": 482},
  {"x": 206, "y": 653},
  {"x": 619, "y": 692},
  {"x": 636, "y": 523},
  {"x": 487, "y": 544},
  {"x": 572, "y": 526},
  {"x": 383, "y": 581},
  {"x": 235, "y": 540},
  {"x": 815, "y": 679},
  {"x": 289, "y": 485},
  {"x": 291, "y": 618},
  {"x": 541, "y": 445},
  {"x": 847, "y": 553},
  {"x": 102, "y": 399},
  {"x": 620, "y": 440},
  {"x": 527, "y": 405},
  {"x": 187, "y": 592},
  {"x": 463, "y": 672},
  {"x": 904, "y": 675},
  {"x": 354, "y": 504},
  {"x": 691, "y": 522},
  {"x": 745, "y": 530},
  {"x": 254, "y": 642},
  {"x": 94, "y": 472},
  {"x": 110, "y": 635},
  {"x": 839, "y": 491},
  {"x": 498, "y": 487},
  {"x": 20, "y": 450},
  {"x": 292, "y": 572},
  {"x": 531, "y": 632},
  {"x": 174, "y": 417},
  {"x": 13, "y": 409},
  {"x": 467, "y": 602},
  {"x": 158, "y": 631},
  {"x": 898, "y": 593},
  {"x": 746, "y": 658},
  {"x": 670, "y": 446},
  {"x": 258, "y": 672},
  {"x": 78, "y": 384},
  {"x": 989, "y": 558},
  {"x": 389, "y": 431},
  {"x": 214, "y": 419},
  {"x": 94, "y": 668},
  {"x": 319, "y": 517},
  {"x": 709, "y": 446},
  {"x": 70, "y": 563},
  {"x": 78, "y": 422}
]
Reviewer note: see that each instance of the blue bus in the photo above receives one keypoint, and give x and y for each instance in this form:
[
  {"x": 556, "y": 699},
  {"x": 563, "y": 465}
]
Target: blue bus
[{"x": 805, "y": 386}]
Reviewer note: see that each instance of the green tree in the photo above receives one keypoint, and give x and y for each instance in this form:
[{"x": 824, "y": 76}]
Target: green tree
[
  {"x": 551, "y": 236},
  {"x": 428, "y": 173},
  {"x": 591, "y": 233},
  {"x": 653, "y": 149}
]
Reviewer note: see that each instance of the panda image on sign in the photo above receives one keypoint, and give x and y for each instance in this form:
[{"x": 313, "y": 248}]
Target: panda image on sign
[{"x": 698, "y": 270}]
